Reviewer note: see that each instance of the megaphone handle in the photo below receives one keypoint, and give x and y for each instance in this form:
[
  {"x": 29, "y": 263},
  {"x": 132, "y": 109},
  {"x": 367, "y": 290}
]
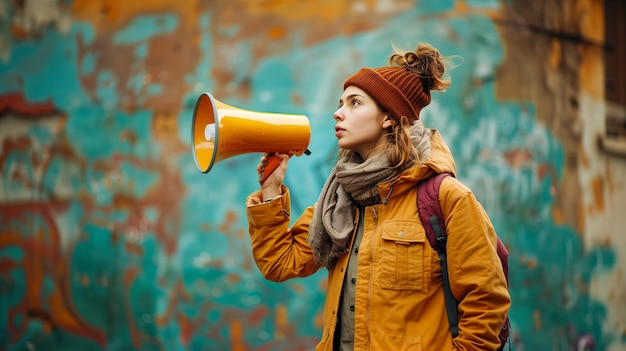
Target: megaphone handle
[{"x": 272, "y": 163}]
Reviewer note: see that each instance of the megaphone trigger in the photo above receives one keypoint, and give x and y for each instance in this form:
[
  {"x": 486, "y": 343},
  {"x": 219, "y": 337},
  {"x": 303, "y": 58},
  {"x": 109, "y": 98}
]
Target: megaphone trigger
[{"x": 273, "y": 162}]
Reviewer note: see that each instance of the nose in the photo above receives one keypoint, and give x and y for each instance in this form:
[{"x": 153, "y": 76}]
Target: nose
[{"x": 338, "y": 115}]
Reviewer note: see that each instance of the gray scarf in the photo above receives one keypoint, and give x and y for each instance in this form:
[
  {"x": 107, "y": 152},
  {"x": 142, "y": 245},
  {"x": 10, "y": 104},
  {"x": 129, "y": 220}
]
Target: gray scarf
[{"x": 353, "y": 182}]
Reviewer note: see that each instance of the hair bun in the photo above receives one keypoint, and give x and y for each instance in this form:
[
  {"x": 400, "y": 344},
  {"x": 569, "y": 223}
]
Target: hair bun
[{"x": 426, "y": 62}]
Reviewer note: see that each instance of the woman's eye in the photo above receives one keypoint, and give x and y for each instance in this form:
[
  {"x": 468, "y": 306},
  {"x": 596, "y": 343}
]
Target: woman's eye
[{"x": 355, "y": 102}]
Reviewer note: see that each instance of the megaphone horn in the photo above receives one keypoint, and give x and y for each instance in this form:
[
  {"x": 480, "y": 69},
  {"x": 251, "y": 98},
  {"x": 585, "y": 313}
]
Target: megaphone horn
[{"x": 220, "y": 131}]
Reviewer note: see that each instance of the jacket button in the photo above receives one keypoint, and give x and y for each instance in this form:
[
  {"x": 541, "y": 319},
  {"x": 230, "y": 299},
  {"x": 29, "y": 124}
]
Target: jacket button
[
  {"x": 351, "y": 308},
  {"x": 356, "y": 250},
  {"x": 353, "y": 280}
]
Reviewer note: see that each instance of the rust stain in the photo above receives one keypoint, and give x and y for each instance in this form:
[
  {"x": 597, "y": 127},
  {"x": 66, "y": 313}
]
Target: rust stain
[
  {"x": 233, "y": 278},
  {"x": 463, "y": 9},
  {"x": 124, "y": 201},
  {"x": 229, "y": 220},
  {"x": 529, "y": 262},
  {"x": 322, "y": 10},
  {"x": 134, "y": 248},
  {"x": 298, "y": 288},
  {"x": 115, "y": 237},
  {"x": 580, "y": 218},
  {"x": 107, "y": 14},
  {"x": 557, "y": 215},
  {"x": 516, "y": 158},
  {"x": 258, "y": 314},
  {"x": 276, "y": 32},
  {"x": 323, "y": 285},
  {"x": 18, "y": 32},
  {"x": 537, "y": 319},
  {"x": 583, "y": 157},
  {"x": 297, "y": 99},
  {"x": 555, "y": 53},
  {"x": 236, "y": 336},
  {"x": 319, "y": 320},
  {"x": 591, "y": 71},
  {"x": 597, "y": 189},
  {"x": 186, "y": 328},
  {"x": 128, "y": 136},
  {"x": 129, "y": 277},
  {"x": 17, "y": 103},
  {"x": 281, "y": 321}
]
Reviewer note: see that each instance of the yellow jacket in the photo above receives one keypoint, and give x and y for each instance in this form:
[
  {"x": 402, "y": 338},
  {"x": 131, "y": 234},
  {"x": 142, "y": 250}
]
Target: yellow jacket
[{"x": 399, "y": 301}]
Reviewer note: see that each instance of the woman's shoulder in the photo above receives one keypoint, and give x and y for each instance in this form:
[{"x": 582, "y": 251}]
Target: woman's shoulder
[
  {"x": 452, "y": 187},
  {"x": 455, "y": 196}
]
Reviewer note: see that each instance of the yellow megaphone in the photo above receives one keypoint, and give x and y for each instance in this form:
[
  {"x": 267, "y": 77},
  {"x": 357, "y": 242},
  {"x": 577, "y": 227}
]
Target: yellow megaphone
[{"x": 220, "y": 131}]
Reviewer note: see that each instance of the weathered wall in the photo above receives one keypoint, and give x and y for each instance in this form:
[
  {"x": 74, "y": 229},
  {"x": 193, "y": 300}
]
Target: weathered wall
[{"x": 110, "y": 239}]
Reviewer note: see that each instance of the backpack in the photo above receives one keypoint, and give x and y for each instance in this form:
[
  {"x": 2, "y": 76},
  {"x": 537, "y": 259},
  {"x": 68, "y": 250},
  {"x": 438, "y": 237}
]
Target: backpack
[{"x": 431, "y": 216}]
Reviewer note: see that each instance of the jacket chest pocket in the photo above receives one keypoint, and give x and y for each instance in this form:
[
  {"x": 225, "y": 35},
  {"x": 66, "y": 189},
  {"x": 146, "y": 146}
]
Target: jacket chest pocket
[{"x": 403, "y": 263}]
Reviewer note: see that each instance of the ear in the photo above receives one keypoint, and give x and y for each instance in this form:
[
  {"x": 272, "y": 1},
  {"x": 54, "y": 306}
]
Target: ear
[{"x": 388, "y": 122}]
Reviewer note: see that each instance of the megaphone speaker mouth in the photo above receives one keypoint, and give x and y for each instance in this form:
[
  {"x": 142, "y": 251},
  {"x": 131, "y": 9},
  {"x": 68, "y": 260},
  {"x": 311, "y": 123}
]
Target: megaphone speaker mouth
[
  {"x": 203, "y": 132},
  {"x": 220, "y": 131}
]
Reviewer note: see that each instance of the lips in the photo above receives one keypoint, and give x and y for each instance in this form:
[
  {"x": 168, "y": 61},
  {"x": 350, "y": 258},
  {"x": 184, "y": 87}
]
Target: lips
[{"x": 339, "y": 131}]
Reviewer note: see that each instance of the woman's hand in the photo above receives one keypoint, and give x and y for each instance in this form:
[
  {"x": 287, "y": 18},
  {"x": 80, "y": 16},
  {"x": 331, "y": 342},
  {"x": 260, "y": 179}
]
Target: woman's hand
[{"x": 271, "y": 187}]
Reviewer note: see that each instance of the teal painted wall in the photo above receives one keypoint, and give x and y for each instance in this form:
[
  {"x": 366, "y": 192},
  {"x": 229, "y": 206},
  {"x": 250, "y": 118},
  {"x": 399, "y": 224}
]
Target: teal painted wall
[{"x": 111, "y": 239}]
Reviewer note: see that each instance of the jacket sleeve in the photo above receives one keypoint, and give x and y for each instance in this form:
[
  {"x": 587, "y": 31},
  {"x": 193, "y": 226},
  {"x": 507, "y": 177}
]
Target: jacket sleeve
[
  {"x": 280, "y": 252},
  {"x": 475, "y": 270}
]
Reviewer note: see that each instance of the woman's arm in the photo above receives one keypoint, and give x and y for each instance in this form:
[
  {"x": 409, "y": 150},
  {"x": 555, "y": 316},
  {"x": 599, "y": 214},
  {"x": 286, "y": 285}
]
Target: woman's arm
[
  {"x": 280, "y": 252},
  {"x": 476, "y": 276}
]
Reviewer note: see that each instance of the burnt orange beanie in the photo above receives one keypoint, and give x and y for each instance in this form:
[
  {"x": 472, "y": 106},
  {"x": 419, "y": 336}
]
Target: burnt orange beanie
[{"x": 396, "y": 89}]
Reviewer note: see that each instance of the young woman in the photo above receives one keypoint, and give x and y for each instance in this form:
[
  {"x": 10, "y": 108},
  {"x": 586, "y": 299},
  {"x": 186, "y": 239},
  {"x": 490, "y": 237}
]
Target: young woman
[{"x": 384, "y": 280}]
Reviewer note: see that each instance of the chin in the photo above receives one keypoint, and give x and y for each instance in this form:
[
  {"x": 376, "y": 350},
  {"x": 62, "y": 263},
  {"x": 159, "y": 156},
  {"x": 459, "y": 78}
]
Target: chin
[{"x": 344, "y": 145}]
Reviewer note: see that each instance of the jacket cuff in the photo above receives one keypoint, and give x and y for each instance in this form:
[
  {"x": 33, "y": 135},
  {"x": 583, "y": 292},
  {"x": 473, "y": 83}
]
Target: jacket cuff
[{"x": 265, "y": 213}]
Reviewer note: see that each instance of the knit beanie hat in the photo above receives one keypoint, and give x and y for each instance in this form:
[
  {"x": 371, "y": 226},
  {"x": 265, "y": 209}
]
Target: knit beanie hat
[{"x": 398, "y": 90}]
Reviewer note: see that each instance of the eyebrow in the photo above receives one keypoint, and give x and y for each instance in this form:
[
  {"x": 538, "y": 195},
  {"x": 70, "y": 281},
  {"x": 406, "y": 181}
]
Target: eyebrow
[{"x": 351, "y": 96}]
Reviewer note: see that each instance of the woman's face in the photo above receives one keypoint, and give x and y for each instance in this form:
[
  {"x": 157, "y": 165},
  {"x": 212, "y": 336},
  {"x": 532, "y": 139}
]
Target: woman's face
[{"x": 360, "y": 124}]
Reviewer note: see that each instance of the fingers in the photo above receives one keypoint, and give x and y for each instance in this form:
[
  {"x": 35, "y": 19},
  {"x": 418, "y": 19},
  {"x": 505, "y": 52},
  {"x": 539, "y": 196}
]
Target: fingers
[
  {"x": 263, "y": 162},
  {"x": 272, "y": 169},
  {"x": 269, "y": 161}
]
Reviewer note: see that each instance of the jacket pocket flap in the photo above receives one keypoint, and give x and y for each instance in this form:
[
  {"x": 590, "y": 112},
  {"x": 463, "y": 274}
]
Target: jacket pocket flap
[{"x": 406, "y": 231}]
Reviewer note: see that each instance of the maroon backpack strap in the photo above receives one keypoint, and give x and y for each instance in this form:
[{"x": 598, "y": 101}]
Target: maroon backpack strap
[
  {"x": 431, "y": 215},
  {"x": 428, "y": 206}
]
